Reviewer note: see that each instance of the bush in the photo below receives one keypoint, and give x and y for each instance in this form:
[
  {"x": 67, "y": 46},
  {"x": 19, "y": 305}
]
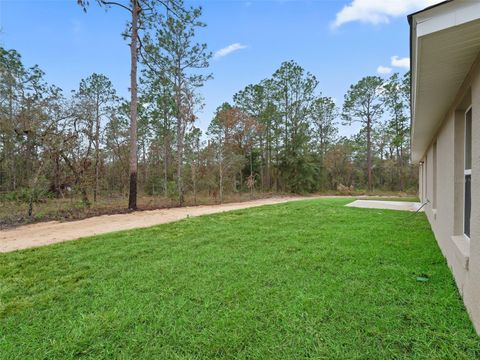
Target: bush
[
  {"x": 172, "y": 190},
  {"x": 22, "y": 195}
]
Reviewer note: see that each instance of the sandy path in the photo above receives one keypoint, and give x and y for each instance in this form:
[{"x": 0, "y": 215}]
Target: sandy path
[{"x": 52, "y": 232}]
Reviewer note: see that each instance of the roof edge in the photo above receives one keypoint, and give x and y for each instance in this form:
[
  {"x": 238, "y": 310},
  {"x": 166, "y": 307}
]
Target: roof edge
[{"x": 410, "y": 16}]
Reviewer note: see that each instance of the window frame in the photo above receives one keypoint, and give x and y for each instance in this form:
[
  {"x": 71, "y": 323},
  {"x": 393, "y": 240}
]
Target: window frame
[{"x": 467, "y": 171}]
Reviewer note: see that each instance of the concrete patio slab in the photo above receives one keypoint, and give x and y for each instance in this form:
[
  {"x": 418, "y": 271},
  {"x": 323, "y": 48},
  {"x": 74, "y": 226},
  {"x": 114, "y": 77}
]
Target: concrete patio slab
[{"x": 389, "y": 205}]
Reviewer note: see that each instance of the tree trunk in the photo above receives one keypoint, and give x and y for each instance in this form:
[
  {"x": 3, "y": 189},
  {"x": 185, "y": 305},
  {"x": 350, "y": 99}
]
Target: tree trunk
[
  {"x": 400, "y": 165},
  {"x": 277, "y": 164},
  {"x": 56, "y": 177},
  {"x": 369, "y": 153},
  {"x": 221, "y": 181},
  {"x": 97, "y": 153},
  {"x": 132, "y": 198},
  {"x": 85, "y": 200},
  {"x": 165, "y": 169},
  {"x": 269, "y": 160},
  {"x": 194, "y": 182},
  {"x": 194, "y": 172},
  {"x": 181, "y": 196},
  {"x": 262, "y": 164},
  {"x": 251, "y": 163},
  {"x": 33, "y": 188},
  {"x": 144, "y": 165}
]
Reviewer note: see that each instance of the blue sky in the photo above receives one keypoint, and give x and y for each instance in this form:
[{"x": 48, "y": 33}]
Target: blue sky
[{"x": 339, "y": 41}]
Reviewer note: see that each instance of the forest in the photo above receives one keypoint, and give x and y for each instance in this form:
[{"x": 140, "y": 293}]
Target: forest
[{"x": 91, "y": 151}]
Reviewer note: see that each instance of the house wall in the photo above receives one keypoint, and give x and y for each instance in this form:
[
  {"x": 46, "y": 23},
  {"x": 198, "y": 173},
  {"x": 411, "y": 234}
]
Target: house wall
[{"x": 446, "y": 219}]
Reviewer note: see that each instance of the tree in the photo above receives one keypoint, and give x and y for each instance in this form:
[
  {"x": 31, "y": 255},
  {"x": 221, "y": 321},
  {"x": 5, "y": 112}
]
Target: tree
[
  {"x": 193, "y": 144},
  {"x": 144, "y": 13},
  {"x": 117, "y": 148},
  {"x": 363, "y": 103},
  {"x": 324, "y": 113},
  {"x": 174, "y": 54},
  {"x": 227, "y": 152},
  {"x": 23, "y": 96},
  {"x": 97, "y": 90},
  {"x": 294, "y": 91},
  {"x": 29, "y": 117},
  {"x": 339, "y": 165},
  {"x": 12, "y": 77},
  {"x": 75, "y": 148},
  {"x": 255, "y": 101},
  {"x": 281, "y": 131},
  {"x": 398, "y": 123},
  {"x": 158, "y": 94}
]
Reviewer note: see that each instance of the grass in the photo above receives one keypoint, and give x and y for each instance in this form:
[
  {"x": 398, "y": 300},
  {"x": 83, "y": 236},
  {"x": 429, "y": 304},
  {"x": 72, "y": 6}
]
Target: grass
[{"x": 309, "y": 279}]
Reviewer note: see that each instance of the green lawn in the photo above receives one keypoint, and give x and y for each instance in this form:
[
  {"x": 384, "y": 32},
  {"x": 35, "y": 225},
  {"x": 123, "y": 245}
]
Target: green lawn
[{"x": 310, "y": 279}]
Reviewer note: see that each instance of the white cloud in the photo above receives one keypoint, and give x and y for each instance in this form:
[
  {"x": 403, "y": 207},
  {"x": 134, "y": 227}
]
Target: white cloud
[
  {"x": 229, "y": 49},
  {"x": 378, "y": 11},
  {"x": 400, "y": 62},
  {"x": 384, "y": 70}
]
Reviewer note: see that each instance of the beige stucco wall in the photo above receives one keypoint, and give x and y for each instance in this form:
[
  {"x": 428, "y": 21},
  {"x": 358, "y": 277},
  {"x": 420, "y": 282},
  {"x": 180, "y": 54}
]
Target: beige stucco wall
[{"x": 463, "y": 256}]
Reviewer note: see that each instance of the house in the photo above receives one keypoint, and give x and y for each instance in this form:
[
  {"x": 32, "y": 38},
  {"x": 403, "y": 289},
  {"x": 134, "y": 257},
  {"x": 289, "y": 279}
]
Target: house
[{"x": 445, "y": 99}]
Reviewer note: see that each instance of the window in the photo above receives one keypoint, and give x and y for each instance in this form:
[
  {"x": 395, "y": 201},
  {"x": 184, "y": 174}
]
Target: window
[
  {"x": 467, "y": 204},
  {"x": 425, "y": 167},
  {"x": 421, "y": 180}
]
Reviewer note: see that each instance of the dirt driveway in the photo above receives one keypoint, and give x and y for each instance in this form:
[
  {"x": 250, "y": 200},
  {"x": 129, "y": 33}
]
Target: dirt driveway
[{"x": 52, "y": 232}]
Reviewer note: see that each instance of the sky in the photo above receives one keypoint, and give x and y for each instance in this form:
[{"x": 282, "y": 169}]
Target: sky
[{"x": 339, "y": 41}]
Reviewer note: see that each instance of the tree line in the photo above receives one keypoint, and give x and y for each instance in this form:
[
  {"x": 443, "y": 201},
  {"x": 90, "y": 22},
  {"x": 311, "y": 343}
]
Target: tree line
[
  {"x": 280, "y": 135},
  {"x": 283, "y": 134}
]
